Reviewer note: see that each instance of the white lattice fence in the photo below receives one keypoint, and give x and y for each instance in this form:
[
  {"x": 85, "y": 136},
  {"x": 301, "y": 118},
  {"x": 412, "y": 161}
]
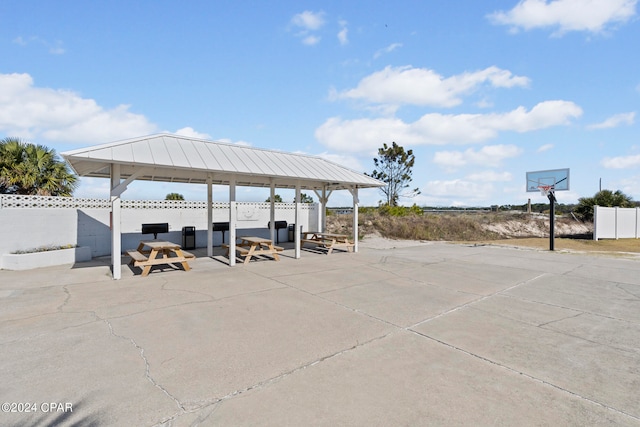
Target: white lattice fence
[{"x": 15, "y": 201}]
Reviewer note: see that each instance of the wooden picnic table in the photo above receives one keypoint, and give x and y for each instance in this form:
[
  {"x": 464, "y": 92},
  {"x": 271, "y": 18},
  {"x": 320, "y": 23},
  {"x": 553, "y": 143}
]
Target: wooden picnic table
[
  {"x": 329, "y": 241},
  {"x": 157, "y": 252},
  {"x": 250, "y": 246}
]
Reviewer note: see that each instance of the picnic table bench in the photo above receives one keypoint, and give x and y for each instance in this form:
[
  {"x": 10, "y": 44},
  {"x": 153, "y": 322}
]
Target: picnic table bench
[
  {"x": 249, "y": 247},
  {"x": 329, "y": 241},
  {"x": 146, "y": 255}
]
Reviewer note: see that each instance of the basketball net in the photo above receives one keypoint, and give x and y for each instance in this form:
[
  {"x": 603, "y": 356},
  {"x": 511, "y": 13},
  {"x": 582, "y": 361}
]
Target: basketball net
[{"x": 545, "y": 189}]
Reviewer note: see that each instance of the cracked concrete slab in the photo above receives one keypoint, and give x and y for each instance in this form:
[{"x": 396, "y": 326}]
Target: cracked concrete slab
[
  {"x": 397, "y": 334},
  {"x": 399, "y": 301},
  {"x": 413, "y": 381},
  {"x": 597, "y": 372}
]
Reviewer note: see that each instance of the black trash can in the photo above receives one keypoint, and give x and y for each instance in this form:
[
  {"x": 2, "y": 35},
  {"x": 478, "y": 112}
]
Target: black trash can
[
  {"x": 292, "y": 232},
  {"x": 188, "y": 237}
]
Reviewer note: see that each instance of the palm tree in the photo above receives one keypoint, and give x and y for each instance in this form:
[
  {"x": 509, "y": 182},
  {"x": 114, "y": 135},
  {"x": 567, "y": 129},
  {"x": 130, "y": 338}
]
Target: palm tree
[
  {"x": 33, "y": 169},
  {"x": 174, "y": 196},
  {"x": 605, "y": 198}
]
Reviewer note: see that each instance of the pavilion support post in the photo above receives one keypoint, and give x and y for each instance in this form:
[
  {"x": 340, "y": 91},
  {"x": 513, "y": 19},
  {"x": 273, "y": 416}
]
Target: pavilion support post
[
  {"x": 209, "y": 216},
  {"x": 356, "y": 201},
  {"x": 296, "y": 232},
  {"x": 272, "y": 212},
  {"x": 116, "y": 238},
  {"x": 323, "y": 198},
  {"x": 233, "y": 214}
]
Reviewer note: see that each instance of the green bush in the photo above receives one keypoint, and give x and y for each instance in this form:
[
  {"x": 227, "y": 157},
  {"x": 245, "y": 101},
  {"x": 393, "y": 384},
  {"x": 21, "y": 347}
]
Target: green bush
[{"x": 387, "y": 210}]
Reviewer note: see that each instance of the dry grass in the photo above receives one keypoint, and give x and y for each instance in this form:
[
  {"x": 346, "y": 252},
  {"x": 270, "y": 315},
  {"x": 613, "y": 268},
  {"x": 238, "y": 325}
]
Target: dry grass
[
  {"x": 487, "y": 228},
  {"x": 582, "y": 245}
]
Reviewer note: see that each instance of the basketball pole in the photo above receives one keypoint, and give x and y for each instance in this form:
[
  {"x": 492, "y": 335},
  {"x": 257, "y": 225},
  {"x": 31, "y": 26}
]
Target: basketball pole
[{"x": 552, "y": 216}]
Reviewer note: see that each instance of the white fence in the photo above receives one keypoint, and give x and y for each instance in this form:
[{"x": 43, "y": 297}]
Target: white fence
[
  {"x": 28, "y": 222},
  {"x": 616, "y": 223}
]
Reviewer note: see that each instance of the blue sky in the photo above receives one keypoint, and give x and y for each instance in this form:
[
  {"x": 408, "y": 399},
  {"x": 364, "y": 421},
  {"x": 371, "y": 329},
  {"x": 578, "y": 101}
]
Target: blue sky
[{"x": 481, "y": 91}]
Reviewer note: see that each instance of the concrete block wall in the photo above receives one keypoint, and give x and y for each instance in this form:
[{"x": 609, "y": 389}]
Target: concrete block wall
[{"x": 28, "y": 222}]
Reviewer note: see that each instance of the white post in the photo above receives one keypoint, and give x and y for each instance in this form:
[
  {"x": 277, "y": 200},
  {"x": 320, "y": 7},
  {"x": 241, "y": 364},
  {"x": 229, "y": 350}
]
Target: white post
[
  {"x": 272, "y": 212},
  {"x": 209, "y": 216},
  {"x": 616, "y": 221},
  {"x": 595, "y": 222},
  {"x": 296, "y": 232},
  {"x": 116, "y": 238},
  {"x": 322, "y": 215},
  {"x": 637, "y": 225},
  {"x": 356, "y": 201},
  {"x": 232, "y": 222}
]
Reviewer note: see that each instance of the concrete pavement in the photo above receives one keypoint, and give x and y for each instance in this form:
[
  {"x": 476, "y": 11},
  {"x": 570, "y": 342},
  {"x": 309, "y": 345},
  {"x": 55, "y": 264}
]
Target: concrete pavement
[{"x": 397, "y": 334}]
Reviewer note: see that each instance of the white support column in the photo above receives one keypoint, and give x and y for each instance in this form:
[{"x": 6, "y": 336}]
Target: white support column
[
  {"x": 323, "y": 198},
  {"x": 296, "y": 232},
  {"x": 209, "y": 216},
  {"x": 233, "y": 214},
  {"x": 116, "y": 238},
  {"x": 272, "y": 211},
  {"x": 356, "y": 201}
]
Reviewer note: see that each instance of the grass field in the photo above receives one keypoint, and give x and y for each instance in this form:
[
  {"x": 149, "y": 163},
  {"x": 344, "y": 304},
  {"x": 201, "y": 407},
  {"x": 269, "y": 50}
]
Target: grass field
[{"x": 621, "y": 246}]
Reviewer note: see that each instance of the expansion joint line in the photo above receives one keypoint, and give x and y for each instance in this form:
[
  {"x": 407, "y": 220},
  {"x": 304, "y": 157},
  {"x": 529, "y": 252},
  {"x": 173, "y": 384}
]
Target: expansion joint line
[
  {"x": 524, "y": 374},
  {"x": 299, "y": 368},
  {"x": 475, "y": 301}
]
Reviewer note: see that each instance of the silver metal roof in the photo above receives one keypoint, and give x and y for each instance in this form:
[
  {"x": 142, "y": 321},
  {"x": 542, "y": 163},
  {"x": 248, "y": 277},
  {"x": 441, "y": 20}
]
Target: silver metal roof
[{"x": 175, "y": 158}]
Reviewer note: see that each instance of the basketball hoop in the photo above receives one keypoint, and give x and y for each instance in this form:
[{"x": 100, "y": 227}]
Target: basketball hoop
[{"x": 545, "y": 189}]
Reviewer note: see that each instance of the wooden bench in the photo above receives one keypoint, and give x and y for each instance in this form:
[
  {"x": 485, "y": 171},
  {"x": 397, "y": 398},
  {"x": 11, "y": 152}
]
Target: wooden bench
[
  {"x": 249, "y": 248},
  {"x": 328, "y": 241},
  {"x": 317, "y": 242},
  {"x": 137, "y": 257},
  {"x": 242, "y": 250},
  {"x": 152, "y": 253},
  {"x": 188, "y": 254}
]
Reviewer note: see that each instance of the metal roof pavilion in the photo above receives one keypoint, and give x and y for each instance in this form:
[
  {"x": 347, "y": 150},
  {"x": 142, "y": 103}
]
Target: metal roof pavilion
[{"x": 175, "y": 158}]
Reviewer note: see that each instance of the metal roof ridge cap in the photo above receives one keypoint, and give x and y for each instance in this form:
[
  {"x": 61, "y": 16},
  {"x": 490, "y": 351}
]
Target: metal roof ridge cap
[{"x": 111, "y": 144}]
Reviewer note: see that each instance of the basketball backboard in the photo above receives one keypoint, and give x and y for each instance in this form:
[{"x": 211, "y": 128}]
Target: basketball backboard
[{"x": 557, "y": 179}]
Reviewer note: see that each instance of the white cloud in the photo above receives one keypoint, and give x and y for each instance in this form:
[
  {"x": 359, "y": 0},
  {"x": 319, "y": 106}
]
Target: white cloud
[
  {"x": 566, "y": 15},
  {"x": 28, "y": 112},
  {"x": 421, "y": 86},
  {"x": 20, "y": 41},
  {"x": 350, "y": 162},
  {"x": 388, "y": 49},
  {"x": 621, "y": 162},
  {"x": 308, "y": 20},
  {"x": 192, "y": 133},
  {"x": 629, "y": 185},
  {"x": 311, "y": 40},
  {"x": 490, "y": 156},
  {"x": 55, "y": 48},
  {"x": 343, "y": 34},
  {"x": 365, "y": 135},
  {"x": 458, "y": 188},
  {"x": 229, "y": 141},
  {"x": 491, "y": 176},
  {"x": 615, "y": 121},
  {"x": 545, "y": 147}
]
